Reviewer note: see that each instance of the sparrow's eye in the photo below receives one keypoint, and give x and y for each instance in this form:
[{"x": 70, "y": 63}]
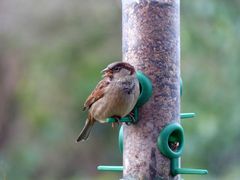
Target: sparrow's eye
[{"x": 116, "y": 69}]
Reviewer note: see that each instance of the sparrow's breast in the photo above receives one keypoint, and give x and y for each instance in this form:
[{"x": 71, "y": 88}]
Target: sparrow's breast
[{"x": 119, "y": 99}]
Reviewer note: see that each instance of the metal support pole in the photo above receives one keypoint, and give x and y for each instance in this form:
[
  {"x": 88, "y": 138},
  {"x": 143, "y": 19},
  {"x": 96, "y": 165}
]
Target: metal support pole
[{"x": 151, "y": 42}]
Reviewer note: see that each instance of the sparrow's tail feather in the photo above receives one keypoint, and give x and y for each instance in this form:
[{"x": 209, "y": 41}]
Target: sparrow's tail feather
[{"x": 85, "y": 131}]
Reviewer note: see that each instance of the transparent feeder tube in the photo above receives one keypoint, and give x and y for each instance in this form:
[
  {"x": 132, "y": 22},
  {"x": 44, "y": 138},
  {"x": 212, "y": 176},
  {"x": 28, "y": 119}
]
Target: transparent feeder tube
[{"x": 151, "y": 42}]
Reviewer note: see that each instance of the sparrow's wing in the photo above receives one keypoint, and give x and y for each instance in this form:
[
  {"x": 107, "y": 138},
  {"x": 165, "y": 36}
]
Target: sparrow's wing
[{"x": 97, "y": 93}]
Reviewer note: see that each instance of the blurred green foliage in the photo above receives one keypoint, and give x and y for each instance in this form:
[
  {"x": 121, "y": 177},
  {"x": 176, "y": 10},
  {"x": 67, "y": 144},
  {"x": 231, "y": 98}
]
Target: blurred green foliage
[{"x": 63, "y": 45}]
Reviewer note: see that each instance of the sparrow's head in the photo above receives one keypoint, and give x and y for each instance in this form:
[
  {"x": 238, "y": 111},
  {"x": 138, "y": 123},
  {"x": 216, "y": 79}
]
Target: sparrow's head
[{"x": 118, "y": 69}]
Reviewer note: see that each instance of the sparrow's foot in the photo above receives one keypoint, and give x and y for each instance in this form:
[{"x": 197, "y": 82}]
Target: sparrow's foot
[
  {"x": 117, "y": 120},
  {"x": 132, "y": 116}
]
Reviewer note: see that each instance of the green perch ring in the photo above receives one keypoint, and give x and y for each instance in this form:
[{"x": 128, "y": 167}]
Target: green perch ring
[
  {"x": 171, "y": 134},
  {"x": 145, "y": 88}
]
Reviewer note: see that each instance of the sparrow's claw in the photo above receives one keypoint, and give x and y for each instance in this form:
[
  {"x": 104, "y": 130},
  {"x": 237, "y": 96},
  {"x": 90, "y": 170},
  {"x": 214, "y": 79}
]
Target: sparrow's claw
[
  {"x": 131, "y": 115},
  {"x": 117, "y": 120},
  {"x": 132, "y": 118}
]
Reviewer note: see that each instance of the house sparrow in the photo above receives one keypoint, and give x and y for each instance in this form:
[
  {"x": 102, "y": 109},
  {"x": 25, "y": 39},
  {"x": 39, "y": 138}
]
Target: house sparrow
[{"x": 114, "y": 96}]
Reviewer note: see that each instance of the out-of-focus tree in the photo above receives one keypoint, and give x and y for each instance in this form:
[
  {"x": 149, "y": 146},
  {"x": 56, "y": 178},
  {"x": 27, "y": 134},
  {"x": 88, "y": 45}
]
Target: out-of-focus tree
[{"x": 9, "y": 75}]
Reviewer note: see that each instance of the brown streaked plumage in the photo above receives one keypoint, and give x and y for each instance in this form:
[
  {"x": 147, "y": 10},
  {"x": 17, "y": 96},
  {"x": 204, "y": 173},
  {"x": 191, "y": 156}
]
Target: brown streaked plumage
[{"x": 114, "y": 96}]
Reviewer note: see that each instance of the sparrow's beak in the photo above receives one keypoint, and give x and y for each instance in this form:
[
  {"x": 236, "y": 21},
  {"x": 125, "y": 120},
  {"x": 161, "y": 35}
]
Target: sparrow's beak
[{"x": 105, "y": 70}]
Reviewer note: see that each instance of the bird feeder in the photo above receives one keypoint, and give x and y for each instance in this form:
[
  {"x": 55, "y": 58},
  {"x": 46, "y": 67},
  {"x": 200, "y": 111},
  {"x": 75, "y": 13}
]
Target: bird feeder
[{"x": 170, "y": 140}]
